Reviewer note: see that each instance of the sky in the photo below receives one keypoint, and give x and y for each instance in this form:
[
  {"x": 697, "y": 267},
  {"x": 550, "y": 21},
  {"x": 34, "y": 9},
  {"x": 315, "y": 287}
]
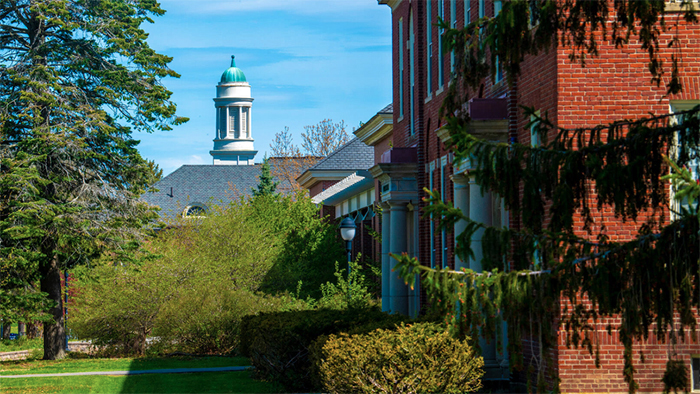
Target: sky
[{"x": 306, "y": 61}]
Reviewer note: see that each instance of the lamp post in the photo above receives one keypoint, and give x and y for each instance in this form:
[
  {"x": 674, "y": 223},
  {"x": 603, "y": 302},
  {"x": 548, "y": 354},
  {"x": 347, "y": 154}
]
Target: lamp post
[{"x": 347, "y": 232}]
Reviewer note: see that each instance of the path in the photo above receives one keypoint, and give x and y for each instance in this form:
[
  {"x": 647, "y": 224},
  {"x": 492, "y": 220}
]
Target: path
[{"x": 172, "y": 370}]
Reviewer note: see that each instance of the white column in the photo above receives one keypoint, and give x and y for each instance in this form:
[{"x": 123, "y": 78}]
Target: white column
[
  {"x": 398, "y": 244},
  {"x": 228, "y": 120},
  {"x": 461, "y": 201},
  {"x": 414, "y": 295},
  {"x": 480, "y": 210},
  {"x": 239, "y": 129},
  {"x": 250, "y": 123},
  {"x": 386, "y": 265}
]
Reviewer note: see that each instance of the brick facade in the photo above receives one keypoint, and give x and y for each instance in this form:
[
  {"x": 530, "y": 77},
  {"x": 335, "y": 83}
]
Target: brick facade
[{"x": 615, "y": 85}]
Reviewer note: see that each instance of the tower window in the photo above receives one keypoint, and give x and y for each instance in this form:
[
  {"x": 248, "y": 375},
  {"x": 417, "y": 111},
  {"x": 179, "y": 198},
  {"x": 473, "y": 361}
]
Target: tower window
[
  {"x": 222, "y": 123},
  {"x": 233, "y": 121},
  {"x": 244, "y": 122}
]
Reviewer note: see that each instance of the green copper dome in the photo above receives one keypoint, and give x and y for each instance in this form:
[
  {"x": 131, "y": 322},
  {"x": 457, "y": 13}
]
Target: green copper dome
[{"x": 233, "y": 73}]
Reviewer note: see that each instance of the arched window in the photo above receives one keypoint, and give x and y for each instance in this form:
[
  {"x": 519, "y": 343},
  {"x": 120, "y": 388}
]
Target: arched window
[{"x": 195, "y": 210}]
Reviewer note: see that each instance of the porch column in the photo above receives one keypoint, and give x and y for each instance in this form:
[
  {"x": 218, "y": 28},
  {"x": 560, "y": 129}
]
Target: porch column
[
  {"x": 386, "y": 260},
  {"x": 398, "y": 245},
  {"x": 461, "y": 201},
  {"x": 480, "y": 210}
]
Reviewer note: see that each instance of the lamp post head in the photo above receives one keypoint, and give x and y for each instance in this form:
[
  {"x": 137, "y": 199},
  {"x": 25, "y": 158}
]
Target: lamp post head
[{"x": 347, "y": 229}]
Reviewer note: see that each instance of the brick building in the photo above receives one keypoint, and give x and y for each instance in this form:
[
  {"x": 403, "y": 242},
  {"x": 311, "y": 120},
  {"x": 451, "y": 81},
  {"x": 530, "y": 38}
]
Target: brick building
[{"x": 412, "y": 156}]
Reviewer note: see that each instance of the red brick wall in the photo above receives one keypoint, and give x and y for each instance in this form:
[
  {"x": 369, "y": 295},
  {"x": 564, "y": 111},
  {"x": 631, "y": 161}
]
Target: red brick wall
[
  {"x": 613, "y": 86},
  {"x": 318, "y": 187}
]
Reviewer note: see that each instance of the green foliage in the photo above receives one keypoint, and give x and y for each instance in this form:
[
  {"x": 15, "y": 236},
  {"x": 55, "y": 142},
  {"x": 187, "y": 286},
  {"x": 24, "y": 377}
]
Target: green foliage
[
  {"x": 278, "y": 344},
  {"x": 76, "y": 78},
  {"x": 118, "y": 307},
  {"x": 308, "y": 244},
  {"x": 676, "y": 377},
  {"x": 645, "y": 281},
  {"x": 352, "y": 292},
  {"x": 267, "y": 184},
  {"x": 191, "y": 285},
  {"x": 21, "y": 343},
  {"x": 418, "y": 358}
]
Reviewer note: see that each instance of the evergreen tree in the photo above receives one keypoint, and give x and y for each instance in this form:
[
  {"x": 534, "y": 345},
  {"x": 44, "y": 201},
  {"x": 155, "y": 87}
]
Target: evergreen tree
[
  {"x": 646, "y": 281},
  {"x": 267, "y": 184},
  {"x": 77, "y": 78}
]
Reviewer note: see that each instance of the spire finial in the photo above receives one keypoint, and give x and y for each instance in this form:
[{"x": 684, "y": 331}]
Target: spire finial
[{"x": 233, "y": 60}]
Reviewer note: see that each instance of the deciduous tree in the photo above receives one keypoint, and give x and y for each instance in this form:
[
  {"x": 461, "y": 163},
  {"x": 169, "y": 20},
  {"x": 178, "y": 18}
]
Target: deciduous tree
[
  {"x": 318, "y": 141},
  {"x": 77, "y": 78}
]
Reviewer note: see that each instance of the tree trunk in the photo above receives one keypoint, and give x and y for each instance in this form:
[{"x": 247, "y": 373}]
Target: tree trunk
[
  {"x": 21, "y": 329},
  {"x": 32, "y": 330},
  {"x": 54, "y": 332},
  {"x": 6, "y": 327}
]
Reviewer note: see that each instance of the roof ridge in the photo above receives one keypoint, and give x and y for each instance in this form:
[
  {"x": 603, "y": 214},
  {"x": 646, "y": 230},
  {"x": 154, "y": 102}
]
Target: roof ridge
[{"x": 339, "y": 150}]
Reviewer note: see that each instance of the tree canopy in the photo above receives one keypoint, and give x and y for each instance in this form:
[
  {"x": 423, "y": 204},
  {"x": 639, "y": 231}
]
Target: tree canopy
[
  {"x": 650, "y": 280},
  {"x": 77, "y": 78},
  {"x": 267, "y": 184},
  {"x": 318, "y": 141}
]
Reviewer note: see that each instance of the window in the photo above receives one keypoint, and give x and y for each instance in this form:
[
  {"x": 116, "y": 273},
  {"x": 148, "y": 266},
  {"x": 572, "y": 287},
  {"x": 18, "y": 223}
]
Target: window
[
  {"x": 429, "y": 40},
  {"x": 467, "y": 12},
  {"x": 195, "y": 210},
  {"x": 233, "y": 121},
  {"x": 453, "y": 24},
  {"x": 441, "y": 60},
  {"x": 497, "y": 6},
  {"x": 694, "y": 163},
  {"x": 535, "y": 137},
  {"x": 482, "y": 13},
  {"x": 695, "y": 372},
  {"x": 222, "y": 122},
  {"x": 402, "y": 47},
  {"x": 412, "y": 72},
  {"x": 244, "y": 122}
]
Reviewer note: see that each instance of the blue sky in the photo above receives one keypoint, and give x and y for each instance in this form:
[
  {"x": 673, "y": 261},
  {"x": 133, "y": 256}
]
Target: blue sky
[{"x": 306, "y": 60}]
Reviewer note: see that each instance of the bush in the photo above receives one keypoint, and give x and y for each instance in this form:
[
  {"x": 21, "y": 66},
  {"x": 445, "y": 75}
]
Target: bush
[
  {"x": 350, "y": 292},
  {"x": 190, "y": 285},
  {"x": 278, "y": 344},
  {"x": 419, "y": 358}
]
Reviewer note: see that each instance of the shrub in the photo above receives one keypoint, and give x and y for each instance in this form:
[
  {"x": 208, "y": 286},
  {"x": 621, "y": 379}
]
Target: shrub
[
  {"x": 278, "y": 343},
  {"x": 190, "y": 285},
  {"x": 418, "y": 358},
  {"x": 350, "y": 292}
]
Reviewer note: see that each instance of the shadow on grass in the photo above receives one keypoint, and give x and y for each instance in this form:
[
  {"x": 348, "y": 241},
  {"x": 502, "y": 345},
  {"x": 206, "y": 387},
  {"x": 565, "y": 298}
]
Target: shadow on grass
[{"x": 196, "y": 382}]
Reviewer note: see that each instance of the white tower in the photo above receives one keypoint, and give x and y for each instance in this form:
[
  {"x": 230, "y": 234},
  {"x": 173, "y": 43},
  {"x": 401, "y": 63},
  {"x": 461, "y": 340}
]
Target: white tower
[{"x": 233, "y": 144}]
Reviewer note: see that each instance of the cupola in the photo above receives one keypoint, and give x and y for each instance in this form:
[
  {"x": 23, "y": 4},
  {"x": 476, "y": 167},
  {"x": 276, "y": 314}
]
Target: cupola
[{"x": 233, "y": 141}]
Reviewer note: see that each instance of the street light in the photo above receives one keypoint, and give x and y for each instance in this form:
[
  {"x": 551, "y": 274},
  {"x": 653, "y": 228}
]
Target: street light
[{"x": 347, "y": 232}]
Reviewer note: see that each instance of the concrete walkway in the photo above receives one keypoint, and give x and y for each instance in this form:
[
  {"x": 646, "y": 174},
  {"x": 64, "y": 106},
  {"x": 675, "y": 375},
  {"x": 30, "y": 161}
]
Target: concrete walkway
[{"x": 174, "y": 370}]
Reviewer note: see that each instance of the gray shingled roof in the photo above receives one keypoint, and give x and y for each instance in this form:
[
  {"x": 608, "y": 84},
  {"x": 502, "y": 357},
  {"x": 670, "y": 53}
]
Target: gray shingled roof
[
  {"x": 354, "y": 155},
  {"x": 389, "y": 109},
  {"x": 204, "y": 184}
]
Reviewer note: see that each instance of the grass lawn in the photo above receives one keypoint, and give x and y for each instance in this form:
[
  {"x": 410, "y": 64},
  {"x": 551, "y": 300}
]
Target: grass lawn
[
  {"x": 7, "y": 345},
  {"x": 214, "y": 382}
]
